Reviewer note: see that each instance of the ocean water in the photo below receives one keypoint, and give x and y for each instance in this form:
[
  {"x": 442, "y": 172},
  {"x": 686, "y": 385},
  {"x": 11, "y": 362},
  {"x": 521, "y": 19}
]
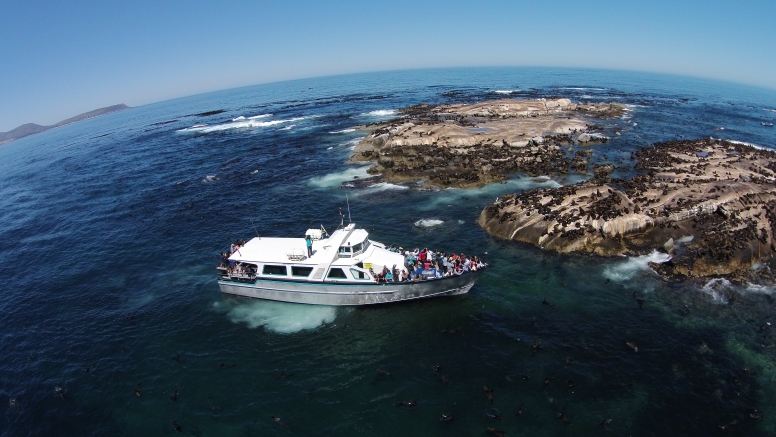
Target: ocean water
[{"x": 111, "y": 230}]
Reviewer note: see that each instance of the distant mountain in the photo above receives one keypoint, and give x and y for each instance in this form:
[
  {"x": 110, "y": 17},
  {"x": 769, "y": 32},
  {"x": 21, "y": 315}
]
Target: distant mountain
[{"x": 32, "y": 128}]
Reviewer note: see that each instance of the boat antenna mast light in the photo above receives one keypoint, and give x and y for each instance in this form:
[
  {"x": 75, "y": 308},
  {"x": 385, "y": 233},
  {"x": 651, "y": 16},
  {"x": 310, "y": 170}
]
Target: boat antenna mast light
[{"x": 348, "y": 201}]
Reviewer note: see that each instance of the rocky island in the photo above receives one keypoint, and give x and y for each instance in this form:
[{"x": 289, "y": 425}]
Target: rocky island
[
  {"x": 710, "y": 203},
  {"x": 468, "y": 145}
]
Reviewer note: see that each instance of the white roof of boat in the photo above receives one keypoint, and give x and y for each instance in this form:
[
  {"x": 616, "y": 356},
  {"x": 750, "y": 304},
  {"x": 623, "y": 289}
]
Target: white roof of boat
[{"x": 277, "y": 250}]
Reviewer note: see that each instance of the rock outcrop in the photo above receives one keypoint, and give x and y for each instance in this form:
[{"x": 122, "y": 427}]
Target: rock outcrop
[
  {"x": 471, "y": 145},
  {"x": 711, "y": 203}
]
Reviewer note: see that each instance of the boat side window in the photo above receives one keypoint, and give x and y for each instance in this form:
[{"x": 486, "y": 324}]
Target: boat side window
[
  {"x": 270, "y": 269},
  {"x": 358, "y": 248},
  {"x": 360, "y": 274},
  {"x": 301, "y": 271},
  {"x": 337, "y": 274},
  {"x": 344, "y": 252}
]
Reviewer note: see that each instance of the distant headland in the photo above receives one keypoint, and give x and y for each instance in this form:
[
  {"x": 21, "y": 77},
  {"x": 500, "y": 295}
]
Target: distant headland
[{"x": 32, "y": 128}]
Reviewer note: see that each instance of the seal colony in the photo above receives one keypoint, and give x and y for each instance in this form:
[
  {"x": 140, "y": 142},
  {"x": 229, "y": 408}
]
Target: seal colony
[
  {"x": 710, "y": 203},
  {"x": 469, "y": 145}
]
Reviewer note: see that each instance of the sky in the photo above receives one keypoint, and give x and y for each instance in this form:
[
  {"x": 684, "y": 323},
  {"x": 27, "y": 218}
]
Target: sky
[{"x": 62, "y": 58}]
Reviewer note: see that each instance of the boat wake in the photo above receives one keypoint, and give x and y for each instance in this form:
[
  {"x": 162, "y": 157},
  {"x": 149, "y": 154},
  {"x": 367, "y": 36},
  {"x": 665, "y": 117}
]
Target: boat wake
[{"x": 278, "y": 317}]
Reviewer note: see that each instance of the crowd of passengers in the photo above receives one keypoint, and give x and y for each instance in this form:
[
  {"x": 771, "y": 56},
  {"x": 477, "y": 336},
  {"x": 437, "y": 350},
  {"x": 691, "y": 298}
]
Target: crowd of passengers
[
  {"x": 421, "y": 264},
  {"x": 233, "y": 268}
]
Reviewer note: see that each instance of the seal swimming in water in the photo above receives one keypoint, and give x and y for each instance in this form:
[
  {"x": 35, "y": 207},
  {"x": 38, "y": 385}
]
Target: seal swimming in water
[
  {"x": 495, "y": 432},
  {"x": 174, "y": 396},
  {"x": 632, "y": 346},
  {"x": 563, "y": 418},
  {"x": 177, "y": 426},
  {"x": 544, "y": 302},
  {"x": 604, "y": 422},
  {"x": 488, "y": 393},
  {"x": 279, "y": 421},
  {"x": 59, "y": 391},
  {"x": 494, "y": 414},
  {"x": 520, "y": 410},
  {"x": 536, "y": 347},
  {"x": 406, "y": 403},
  {"x": 446, "y": 418}
]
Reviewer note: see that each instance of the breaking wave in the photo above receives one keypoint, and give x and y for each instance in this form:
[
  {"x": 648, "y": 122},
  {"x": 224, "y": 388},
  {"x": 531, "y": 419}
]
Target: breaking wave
[
  {"x": 718, "y": 289},
  {"x": 343, "y": 131},
  {"x": 333, "y": 180},
  {"x": 626, "y": 270},
  {"x": 505, "y": 91},
  {"x": 241, "y": 124},
  {"x": 381, "y": 113},
  {"x": 428, "y": 223}
]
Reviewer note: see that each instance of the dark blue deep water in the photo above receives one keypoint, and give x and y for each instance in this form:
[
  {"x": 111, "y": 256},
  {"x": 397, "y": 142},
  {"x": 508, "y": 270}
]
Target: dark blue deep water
[{"x": 110, "y": 231}]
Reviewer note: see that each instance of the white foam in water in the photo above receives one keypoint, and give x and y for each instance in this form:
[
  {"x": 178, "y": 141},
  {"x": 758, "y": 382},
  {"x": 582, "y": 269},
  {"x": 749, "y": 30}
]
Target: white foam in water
[
  {"x": 259, "y": 116},
  {"x": 451, "y": 196},
  {"x": 505, "y": 91},
  {"x": 382, "y": 186},
  {"x": 210, "y": 178},
  {"x": 626, "y": 270},
  {"x": 428, "y": 223},
  {"x": 289, "y": 127},
  {"x": 744, "y": 143},
  {"x": 242, "y": 124},
  {"x": 280, "y": 317},
  {"x": 715, "y": 288},
  {"x": 333, "y": 180},
  {"x": 353, "y": 143},
  {"x": 760, "y": 289},
  {"x": 381, "y": 113},
  {"x": 242, "y": 117},
  {"x": 343, "y": 131},
  {"x": 583, "y": 88}
]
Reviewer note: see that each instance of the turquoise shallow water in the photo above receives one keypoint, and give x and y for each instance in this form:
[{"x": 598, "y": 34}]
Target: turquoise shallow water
[{"x": 112, "y": 227}]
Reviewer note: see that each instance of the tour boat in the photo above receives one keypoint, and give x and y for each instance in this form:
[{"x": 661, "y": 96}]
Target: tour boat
[{"x": 340, "y": 271}]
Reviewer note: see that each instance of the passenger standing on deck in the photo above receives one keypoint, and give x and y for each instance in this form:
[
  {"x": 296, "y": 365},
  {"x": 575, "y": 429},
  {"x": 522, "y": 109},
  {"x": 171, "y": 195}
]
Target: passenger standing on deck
[{"x": 309, "y": 240}]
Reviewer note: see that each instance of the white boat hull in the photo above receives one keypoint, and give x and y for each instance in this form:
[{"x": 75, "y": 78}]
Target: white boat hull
[{"x": 332, "y": 293}]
